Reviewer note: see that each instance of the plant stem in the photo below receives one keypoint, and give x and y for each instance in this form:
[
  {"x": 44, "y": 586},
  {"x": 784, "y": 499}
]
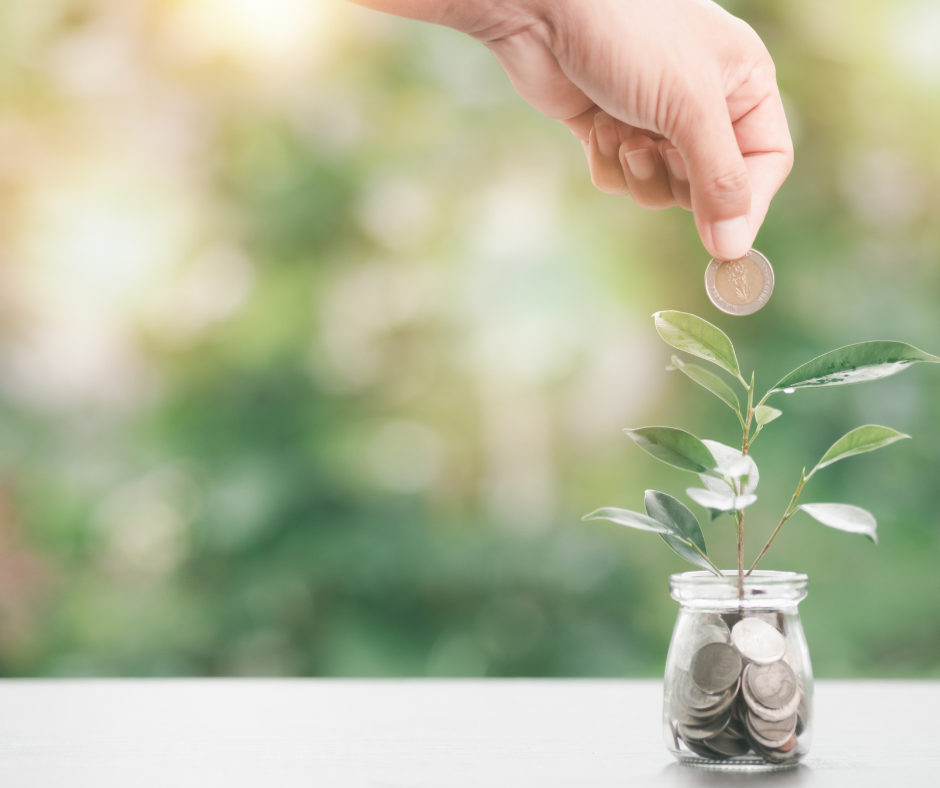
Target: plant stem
[
  {"x": 791, "y": 510},
  {"x": 744, "y": 448},
  {"x": 750, "y": 416}
]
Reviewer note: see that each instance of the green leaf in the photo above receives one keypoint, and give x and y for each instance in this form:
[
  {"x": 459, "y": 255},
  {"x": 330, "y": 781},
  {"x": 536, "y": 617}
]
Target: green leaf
[
  {"x": 719, "y": 502},
  {"x": 765, "y": 414},
  {"x": 731, "y": 466},
  {"x": 675, "y": 447},
  {"x": 698, "y": 337},
  {"x": 855, "y": 364},
  {"x": 679, "y": 518},
  {"x": 853, "y": 519},
  {"x": 628, "y": 518},
  {"x": 710, "y": 381},
  {"x": 858, "y": 441}
]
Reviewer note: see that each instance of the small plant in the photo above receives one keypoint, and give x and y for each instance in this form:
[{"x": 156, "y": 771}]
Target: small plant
[{"x": 730, "y": 475}]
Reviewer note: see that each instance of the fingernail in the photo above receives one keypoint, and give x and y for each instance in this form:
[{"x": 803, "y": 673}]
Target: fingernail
[
  {"x": 640, "y": 162},
  {"x": 732, "y": 238},
  {"x": 607, "y": 142},
  {"x": 676, "y": 164}
]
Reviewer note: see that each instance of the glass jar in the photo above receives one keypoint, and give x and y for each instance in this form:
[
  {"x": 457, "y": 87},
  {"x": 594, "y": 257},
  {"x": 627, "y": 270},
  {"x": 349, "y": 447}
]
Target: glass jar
[{"x": 738, "y": 690}]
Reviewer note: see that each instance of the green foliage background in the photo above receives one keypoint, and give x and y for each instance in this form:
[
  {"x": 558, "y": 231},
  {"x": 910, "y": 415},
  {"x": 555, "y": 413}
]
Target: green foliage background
[{"x": 316, "y": 343}]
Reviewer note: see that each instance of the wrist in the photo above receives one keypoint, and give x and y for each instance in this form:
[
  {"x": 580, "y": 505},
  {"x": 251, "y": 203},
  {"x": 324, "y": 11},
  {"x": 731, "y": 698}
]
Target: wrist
[{"x": 485, "y": 20}]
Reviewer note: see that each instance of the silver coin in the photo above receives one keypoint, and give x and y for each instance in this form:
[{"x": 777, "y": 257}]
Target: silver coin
[
  {"x": 690, "y": 715},
  {"x": 705, "y": 732},
  {"x": 762, "y": 711},
  {"x": 740, "y": 287},
  {"x": 715, "y": 668},
  {"x": 702, "y": 633},
  {"x": 777, "y": 756},
  {"x": 702, "y": 749},
  {"x": 773, "y": 686},
  {"x": 691, "y": 698},
  {"x": 729, "y": 745},
  {"x": 758, "y": 641},
  {"x": 771, "y": 734}
]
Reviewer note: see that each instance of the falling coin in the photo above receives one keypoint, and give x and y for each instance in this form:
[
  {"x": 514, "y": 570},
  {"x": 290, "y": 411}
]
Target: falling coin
[{"x": 740, "y": 287}]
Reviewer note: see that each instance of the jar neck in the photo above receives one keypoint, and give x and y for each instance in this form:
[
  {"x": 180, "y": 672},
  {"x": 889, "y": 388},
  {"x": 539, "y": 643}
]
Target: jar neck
[{"x": 761, "y": 589}]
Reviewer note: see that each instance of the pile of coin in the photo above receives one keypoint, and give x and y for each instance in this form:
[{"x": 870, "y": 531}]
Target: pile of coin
[{"x": 739, "y": 695}]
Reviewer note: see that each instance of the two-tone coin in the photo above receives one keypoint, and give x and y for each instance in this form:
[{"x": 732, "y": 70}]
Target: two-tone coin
[{"x": 740, "y": 287}]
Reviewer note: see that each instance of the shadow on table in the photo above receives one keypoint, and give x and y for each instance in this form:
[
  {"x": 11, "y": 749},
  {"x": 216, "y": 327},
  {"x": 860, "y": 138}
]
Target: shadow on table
[{"x": 679, "y": 774}]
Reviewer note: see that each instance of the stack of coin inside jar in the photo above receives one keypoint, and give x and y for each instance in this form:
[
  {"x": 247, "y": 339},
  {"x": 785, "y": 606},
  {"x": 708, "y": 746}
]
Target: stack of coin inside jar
[{"x": 739, "y": 693}]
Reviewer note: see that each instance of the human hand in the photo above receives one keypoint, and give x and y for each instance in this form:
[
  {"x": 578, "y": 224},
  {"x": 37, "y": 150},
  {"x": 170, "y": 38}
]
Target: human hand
[{"x": 675, "y": 102}]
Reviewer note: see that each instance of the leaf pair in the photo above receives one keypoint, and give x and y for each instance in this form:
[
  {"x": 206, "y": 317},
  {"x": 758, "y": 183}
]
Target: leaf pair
[
  {"x": 721, "y": 468},
  {"x": 735, "y": 488},
  {"x": 668, "y": 517},
  {"x": 843, "y": 516},
  {"x": 857, "y": 363}
]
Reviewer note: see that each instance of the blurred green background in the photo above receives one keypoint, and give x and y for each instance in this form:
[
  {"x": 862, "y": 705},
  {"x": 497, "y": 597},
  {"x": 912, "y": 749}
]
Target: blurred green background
[{"x": 316, "y": 343}]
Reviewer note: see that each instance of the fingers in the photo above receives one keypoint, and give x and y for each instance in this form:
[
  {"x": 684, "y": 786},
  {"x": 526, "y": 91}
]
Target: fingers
[
  {"x": 678, "y": 175},
  {"x": 655, "y": 169},
  {"x": 720, "y": 184},
  {"x": 645, "y": 173},
  {"x": 603, "y": 144},
  {"x": 582, "y": 125}
]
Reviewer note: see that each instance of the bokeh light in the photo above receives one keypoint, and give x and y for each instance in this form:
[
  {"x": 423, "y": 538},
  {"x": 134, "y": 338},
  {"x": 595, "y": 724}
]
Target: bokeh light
[{"x": 316, "y": 343}]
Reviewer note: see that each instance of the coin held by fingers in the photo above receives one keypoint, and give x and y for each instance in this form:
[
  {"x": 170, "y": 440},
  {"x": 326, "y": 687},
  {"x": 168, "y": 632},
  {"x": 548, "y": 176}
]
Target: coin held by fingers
[{"x": 742, "y": 286}]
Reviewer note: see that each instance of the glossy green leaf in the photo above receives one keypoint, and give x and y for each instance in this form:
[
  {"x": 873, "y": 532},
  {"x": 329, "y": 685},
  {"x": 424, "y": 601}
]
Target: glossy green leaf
[
  {"x": 765, "y": 414},
  {"x": 675, "y": 447},
  {"x": 731, "y": 466},
  {"x": 853, "y": 519},
  {"x": 855, "y": 364},
  {"x": 858, "y": 441},
  {"x": 679, "y": 518},
  {"x": 718, "y": 502},
  {"x": 628, "y": 518},
  {"x": 698, "y": 337},
  {"x": 708, "y": 380}
]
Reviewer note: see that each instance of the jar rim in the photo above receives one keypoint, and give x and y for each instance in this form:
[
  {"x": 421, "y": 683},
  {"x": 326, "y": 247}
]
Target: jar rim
[
  {"x": 760, "y": 588},
  {"x": 757, "y": 577}
]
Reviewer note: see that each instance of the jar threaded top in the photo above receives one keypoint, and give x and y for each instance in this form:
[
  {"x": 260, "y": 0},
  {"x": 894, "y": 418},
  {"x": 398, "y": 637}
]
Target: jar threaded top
[{"x": 760, "y": 589}]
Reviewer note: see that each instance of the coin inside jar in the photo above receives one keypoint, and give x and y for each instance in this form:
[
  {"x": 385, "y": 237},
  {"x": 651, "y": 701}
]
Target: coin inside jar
[
  {"x": 716, "y": 667},
  {"x": 742, "y": 286},
  {"x": 758, "y": 641}
]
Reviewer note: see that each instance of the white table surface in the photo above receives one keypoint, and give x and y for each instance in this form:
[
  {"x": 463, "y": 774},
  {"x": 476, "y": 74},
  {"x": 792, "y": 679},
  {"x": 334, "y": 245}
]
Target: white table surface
[{"x": 426, "y": 733}]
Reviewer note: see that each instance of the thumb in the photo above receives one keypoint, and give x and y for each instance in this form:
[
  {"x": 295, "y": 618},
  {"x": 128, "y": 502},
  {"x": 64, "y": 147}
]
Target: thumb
[{"x": 718, "y": 178}]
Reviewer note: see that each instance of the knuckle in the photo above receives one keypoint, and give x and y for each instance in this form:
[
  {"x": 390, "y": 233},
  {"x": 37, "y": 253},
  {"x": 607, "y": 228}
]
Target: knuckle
[{"x": 727, "y": 187}]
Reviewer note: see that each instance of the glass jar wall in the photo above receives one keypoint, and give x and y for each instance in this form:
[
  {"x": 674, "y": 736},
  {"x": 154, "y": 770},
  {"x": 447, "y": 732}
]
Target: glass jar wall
[{"x": 738, "y": 689}]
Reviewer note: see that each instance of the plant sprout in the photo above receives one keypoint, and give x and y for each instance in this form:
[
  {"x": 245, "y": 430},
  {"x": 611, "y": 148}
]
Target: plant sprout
[{"x": 729, "y": 475}]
